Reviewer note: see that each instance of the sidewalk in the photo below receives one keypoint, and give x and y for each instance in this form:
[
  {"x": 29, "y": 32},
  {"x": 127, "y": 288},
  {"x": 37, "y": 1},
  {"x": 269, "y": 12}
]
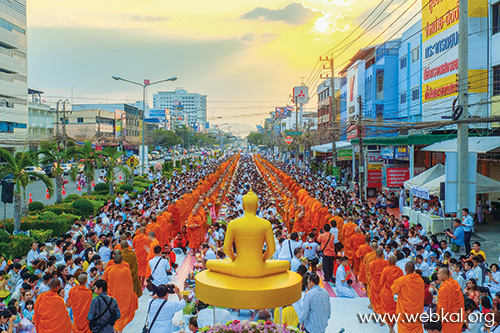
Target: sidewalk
[{"x": 489, "y": 237}]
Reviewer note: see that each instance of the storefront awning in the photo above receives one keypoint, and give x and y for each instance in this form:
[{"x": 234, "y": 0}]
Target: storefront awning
[
  {"x": 405, "y": 140},
  {"x": 327, "y": 147},
  {"x": 481, "y": 145}
]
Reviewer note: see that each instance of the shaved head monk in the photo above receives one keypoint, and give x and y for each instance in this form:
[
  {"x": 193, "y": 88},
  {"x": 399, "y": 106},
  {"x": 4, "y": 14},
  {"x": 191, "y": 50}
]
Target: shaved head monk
[
  {"x": 79, "y": 299},
  {"x": 121, "y": 288},
  {"x": 357, "y": 240},
  {"x": 153, "y": 242},
  {"x": 361, "y": 253},
  {"x": 450, "y": 301},
  {"x": 376, "y": 268},
  {"x": 389, "y": 275},
  {"x": 369, "y": 258},
  {"x": 51, "y": 315},
  {"x": 131, "y": 259},
  {"x": 140, "y": 243},
  {"x": 410, "y": 289}
]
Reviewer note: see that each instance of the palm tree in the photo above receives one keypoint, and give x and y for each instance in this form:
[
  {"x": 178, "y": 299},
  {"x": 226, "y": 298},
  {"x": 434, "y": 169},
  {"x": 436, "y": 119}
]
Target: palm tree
[
  {"x": 15, "y": 165},
  {"x": 51, "y": 153},
  {"x": 111, "y": 165},
  {"x": 86, "y": 156}
]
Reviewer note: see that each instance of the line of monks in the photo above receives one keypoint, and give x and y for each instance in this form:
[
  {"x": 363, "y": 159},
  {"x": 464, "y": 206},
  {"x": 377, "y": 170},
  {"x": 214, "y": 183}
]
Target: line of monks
[
  {"x": 382, "y": 278},
  {"x": 126, "y": 273}
]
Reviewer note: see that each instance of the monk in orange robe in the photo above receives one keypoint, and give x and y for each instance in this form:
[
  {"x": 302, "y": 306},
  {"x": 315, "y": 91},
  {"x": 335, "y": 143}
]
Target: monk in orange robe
[
  {"x": 195, "y": 230},
  {"x": 176, "y": 226},
  {"x": 389, "y": 275},
  {"x": 357, "y": 240},
  {"x": 130, "y": 258},
  {"x": 140, "y": 243},
  {"x": 376, "y": 268},
  {"x": 155, "y": 227},
  {"x": 161, "y": 222},
  {"x": 50, "y": 314},
  {"x": 410, "y": 289},
  {"x": 348, "y": 231},
  {"x": 340, "y": 226},
  {"x": 121, "y": 287},
  {"x": 362, "y": 251},
  {"x": 79, "y": 299},
  {"x": 450, "y": 301},
  {"x": 369, "y": 258},
  {"x": 153, "y": 242},
  {"x": 183, "y": 213}
]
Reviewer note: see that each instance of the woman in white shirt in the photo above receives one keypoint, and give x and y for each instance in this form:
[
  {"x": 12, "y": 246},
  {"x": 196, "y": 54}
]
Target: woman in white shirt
[{"x": 493, "y": 279}]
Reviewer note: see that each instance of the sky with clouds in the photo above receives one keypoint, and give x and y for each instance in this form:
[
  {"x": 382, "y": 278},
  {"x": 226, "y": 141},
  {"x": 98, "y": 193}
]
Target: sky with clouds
[{"x": 245, "y": 55}]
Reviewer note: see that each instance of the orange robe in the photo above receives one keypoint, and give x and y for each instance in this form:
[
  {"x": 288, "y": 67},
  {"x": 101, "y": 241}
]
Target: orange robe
[
  {"x": 155, "y": 227},
  {"x": 139, "y": 242},
  {"x": 410, "y": 290},
  {"x": 51, "y": 315},
  {"x": 166, "y": 228},
  {"x": 176, "y": 224},
  {"x": 79, "y": 299},
  {"x": 376, "y": 269},
  {"x": 451, "y": 301},
  {"x": 183, "y": 213},
  {"x": 389, "y": 275},
  {"x": 356, "y": 241},
  {"x": 130, "y": 258},
  {"x": 369, "y": 258},
  {"x": 348, "y": 232},
  {"x": 340, "y": 226},
  {"x": 362, "y": 251},
  {"x": 196, "y": 235},
  {"x": 121, "y": 287},
  {"x": 151, "y": 255}
]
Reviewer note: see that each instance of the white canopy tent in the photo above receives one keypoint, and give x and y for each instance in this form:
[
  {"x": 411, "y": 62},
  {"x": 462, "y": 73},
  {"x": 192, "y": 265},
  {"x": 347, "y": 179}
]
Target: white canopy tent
[
  {"x": 483, "y": 185},
  {"x": 327, "y": 147},
  {"x": 479, "y": 144},
  {"x": 425, "y": 177}
]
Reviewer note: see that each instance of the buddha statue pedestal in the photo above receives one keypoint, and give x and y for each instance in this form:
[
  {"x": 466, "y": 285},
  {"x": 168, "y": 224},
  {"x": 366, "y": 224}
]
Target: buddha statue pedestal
[
  {"x": 248, "y": 293},
  {"x": 247, "y": 279}
]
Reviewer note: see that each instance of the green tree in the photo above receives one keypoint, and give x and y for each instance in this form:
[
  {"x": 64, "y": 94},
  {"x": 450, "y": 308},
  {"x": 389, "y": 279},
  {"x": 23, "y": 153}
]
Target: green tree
[
  {"x": 165, "y": 138},
  {"x": 86, "y": 156},
  {"x": 111, "y": 165},
  {"x": 15, "y": 165},
  {"x": 51, "y": 153},
  {"x": 255, "y": 138}
]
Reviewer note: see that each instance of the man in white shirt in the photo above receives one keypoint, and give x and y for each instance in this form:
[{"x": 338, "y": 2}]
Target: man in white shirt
[
  {"x": 159, "y": 268},
  {"x": 288, "y": 246},
  {"x": 297, "y": 254},
  {"x": 206, "y": 315},
  {"x": 422, "y": 265},
  {"x": 164, "y": 308},
  {"x": 105, "y": 251}
]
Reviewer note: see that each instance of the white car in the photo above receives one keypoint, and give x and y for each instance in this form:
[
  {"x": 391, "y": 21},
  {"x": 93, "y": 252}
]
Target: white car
[
  {"x": 34, "y": 169},
  {"x": 66, "y": 168}
]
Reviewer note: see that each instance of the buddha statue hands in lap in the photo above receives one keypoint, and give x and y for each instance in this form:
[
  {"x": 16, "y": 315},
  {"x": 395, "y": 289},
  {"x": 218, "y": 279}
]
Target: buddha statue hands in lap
[{"x": 249, "y": 233}]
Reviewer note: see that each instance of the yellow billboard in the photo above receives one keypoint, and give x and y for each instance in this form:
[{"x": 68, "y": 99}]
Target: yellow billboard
[
  {"x": 439, "y": 15},
  {"x": 448, "y": 86}
]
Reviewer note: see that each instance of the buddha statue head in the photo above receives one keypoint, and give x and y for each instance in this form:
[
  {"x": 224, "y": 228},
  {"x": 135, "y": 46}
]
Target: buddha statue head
[{"x": 250, "y": 203}]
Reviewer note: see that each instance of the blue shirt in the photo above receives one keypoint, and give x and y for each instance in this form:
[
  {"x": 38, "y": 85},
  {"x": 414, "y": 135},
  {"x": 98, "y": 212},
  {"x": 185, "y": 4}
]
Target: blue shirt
[
  {"x": 159, "y": 274},
  {"x": 460, "y": 236},
  {"x": 316, "y": 310},
  {"x": 467, "y": 222},
  {"x": 105, "y": 253}
]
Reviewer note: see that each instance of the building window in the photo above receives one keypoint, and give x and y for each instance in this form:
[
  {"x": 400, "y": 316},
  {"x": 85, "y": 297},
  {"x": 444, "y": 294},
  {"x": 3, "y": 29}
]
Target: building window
[
  {"x": 496, "y": 80},
  {"x": 403, "y": 62},
  {"x": 379, "y": 111},
  {"x": 380, "y": 84},
  {"x": 415, "y": 54},
  {"x": 402, "y": 98},
  {"x": 79, "y": 120},
  {"x": 495, "y": 10},
  {"x": 415, "y": 94}
]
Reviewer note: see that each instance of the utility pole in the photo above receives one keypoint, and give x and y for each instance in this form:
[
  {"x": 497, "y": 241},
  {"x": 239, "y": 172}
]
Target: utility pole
[
  {"x": 361, "y": 161},
  {"x": 333, "y": 108},
  {"x": 463, "y": 102}
]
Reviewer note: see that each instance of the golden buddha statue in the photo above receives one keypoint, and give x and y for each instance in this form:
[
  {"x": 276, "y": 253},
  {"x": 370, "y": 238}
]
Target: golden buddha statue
[
  {"x": 248, "y": 279},
  {"x": 249, "y": 233}
]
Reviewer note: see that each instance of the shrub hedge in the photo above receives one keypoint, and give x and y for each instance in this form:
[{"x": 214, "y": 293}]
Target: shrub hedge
[
  {"x": 83, "y": 207},
  {"x": 35, "y": 206},
  {"x": 14, "y": 246},
  {"x": 58, "y": 223}
]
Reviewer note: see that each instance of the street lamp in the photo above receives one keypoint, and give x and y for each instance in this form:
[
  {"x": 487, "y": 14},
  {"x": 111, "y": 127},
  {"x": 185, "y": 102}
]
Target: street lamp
[{"x": 144, "y": 85}]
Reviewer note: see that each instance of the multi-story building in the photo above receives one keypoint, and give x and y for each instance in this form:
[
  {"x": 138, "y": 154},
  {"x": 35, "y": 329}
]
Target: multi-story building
[
  {"x": 410, "y": 78},
  {"x": 126, "y": 114},
  {"x": 41, "y": 119},
  {"x": 95, "y": 125},
  {"x": 13, "y": 74},
  {"x": 180, "y": 103},
  {"x": 494, "y": 56},
  {"x": 325, "y": 116}
]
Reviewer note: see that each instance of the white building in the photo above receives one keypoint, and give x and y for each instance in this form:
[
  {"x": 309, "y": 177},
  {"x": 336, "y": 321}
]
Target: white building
[
  {"x": 13, "y": 75},
  {"x": 183, "y": 104},
  {"x": 41, "y": 120},
  {"x": 494, "y": 55}
]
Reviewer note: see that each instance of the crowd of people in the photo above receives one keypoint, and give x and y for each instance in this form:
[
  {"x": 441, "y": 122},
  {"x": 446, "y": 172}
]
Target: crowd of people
[{"x": 91, "y": 280}]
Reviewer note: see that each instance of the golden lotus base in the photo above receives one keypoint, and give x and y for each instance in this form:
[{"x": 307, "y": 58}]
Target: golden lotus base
[{"x": 248, "y": 293}]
